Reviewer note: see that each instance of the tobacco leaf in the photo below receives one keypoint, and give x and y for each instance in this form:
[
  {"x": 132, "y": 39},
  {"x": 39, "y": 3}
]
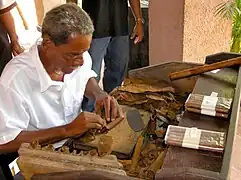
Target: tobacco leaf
[{"x": 142, "y": 88}]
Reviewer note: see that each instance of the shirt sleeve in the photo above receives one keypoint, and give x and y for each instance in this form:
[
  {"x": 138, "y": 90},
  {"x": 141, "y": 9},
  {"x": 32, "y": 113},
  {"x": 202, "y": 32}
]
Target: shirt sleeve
[
  {"x": 6, "y": 5},
  {"x": 13, "y": 115},
  {"x": 88, "y": 66}
]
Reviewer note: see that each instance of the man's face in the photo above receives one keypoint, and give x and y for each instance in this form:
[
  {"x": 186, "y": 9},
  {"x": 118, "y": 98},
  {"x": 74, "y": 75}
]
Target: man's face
[{"x": 68, "y": 57}]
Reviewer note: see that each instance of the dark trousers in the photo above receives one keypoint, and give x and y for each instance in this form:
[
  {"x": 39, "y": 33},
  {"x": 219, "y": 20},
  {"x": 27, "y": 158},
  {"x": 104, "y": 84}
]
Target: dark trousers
[
  {"x": 115, "y": 52},
  {"x": 5, "y": 48},
  {"x": 5, "y": 160}
]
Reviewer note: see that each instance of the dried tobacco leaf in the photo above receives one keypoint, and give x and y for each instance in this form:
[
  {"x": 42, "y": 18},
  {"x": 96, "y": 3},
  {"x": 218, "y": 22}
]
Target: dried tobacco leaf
[{"x": 142, "y": 88}]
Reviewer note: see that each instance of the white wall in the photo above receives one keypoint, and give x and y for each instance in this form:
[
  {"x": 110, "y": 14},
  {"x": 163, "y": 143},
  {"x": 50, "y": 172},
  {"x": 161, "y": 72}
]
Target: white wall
[{"x": 49, "y": 4}]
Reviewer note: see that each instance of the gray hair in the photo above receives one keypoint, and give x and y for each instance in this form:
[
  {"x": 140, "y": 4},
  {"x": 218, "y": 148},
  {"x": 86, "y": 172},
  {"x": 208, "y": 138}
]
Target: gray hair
[{"x": 65, "y": 20}]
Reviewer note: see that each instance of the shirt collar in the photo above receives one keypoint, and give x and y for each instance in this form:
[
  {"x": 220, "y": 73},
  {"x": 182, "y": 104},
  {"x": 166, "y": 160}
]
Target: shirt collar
[{"x": 44, "y": 78}]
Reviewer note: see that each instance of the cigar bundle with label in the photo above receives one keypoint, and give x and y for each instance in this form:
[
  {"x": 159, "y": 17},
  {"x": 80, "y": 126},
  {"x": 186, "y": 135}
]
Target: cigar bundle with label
[
  {"x": 209, "y": 105},
  {"x": 195, "y": 138}
]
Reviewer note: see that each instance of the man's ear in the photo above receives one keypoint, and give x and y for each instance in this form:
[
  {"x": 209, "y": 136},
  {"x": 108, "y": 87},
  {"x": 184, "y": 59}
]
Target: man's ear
[{"x": 47, "y": 43}]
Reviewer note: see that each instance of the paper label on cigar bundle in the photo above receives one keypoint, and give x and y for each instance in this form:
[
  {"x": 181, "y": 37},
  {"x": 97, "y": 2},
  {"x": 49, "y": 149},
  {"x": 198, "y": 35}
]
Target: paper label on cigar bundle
[
  {"x": 191, "y": 138},
  {"x": 214, "y": 94},
  {"x": 208, "y": 112},
  {"x": 209, "y": 102}
]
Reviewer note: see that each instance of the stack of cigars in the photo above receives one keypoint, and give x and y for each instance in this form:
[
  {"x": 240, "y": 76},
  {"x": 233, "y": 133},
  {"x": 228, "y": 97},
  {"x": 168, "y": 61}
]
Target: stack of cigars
[
  {"x": 209, "y": 105},
  {"x": 195, "y": 138}
]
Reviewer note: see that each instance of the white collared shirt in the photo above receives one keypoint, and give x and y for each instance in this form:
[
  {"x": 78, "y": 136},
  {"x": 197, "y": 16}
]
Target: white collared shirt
[{"x": 30, "y": 100}]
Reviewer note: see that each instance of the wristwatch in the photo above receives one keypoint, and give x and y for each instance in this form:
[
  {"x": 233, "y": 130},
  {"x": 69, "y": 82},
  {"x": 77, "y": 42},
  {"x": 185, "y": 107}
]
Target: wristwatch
[{"x": 140, "y": 20}]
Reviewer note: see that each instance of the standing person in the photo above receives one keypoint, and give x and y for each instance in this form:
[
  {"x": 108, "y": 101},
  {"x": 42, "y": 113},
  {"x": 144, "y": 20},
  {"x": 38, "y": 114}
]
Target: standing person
[
  {"x": 7, "y": 28},
  {"x": 111, "y": 39}
]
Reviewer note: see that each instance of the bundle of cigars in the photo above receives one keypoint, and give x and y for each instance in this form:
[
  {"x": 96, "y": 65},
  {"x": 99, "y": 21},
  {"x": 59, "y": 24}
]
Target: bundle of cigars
[
  {"x": 195, "y": 138},
  {"x": 209, "y": 105}
]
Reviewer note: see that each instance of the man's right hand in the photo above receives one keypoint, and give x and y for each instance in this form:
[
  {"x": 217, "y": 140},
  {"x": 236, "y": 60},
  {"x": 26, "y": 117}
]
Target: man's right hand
[{"x": 83, "y": 123}]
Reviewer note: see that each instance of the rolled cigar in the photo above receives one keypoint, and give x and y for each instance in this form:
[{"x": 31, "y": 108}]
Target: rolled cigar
[
  {"x": 205, "y": 68},
  {"x": 199, "y": 111},
  {"x": 156, "y": 165},
  {"x": 136, "y": 154}
]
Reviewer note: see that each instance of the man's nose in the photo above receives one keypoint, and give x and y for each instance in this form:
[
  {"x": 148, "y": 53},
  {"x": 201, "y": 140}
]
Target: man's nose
[{"x": 79, "y": 60}]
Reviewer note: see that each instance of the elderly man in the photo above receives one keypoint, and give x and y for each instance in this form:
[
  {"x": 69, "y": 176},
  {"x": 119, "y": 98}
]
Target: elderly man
[
  {"x": 7, "y": 28},
  {"x": 42, "y": 90}
]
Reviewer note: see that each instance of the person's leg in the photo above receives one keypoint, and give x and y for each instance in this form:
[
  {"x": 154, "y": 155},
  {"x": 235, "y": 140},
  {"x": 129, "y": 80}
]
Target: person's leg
[
  {"x": 116, "y": 60},
  {"x": 97, "y": 52},
  {"x": 5, "y": 49}
]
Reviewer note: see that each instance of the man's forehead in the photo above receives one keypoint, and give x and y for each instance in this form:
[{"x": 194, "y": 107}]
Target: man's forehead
[{"x": 78, "y": 43}]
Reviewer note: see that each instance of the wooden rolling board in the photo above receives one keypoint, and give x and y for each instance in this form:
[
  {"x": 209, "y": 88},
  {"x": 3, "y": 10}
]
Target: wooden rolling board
[{"x": 124, "y": 137}]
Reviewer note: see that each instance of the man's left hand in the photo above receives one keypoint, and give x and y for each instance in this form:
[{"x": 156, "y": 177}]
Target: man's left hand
[
  {"x": 138, "y": 32},
  {"x": 110, "y": 105},
  {"x": 16, "y": 48}
]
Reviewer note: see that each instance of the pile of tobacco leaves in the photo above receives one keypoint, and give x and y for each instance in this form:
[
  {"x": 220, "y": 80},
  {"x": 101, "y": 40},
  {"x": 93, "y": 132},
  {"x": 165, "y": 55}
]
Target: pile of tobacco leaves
[
  {"x": 151, "y": 96},
  {"x": 164, "y": 105}
]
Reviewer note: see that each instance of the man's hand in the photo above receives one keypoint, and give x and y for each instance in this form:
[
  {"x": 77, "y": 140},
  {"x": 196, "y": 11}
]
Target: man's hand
[
  {"x": 16, "y": 48},
  {"x": 138, "y": 32},
  {"x": 110, "y": 105},
  {"x": 103, "y": 101},
  {"x": 8, "y": 21},
  {"x": 80, "y": 125},
  {"x": 84, "y": 122}
]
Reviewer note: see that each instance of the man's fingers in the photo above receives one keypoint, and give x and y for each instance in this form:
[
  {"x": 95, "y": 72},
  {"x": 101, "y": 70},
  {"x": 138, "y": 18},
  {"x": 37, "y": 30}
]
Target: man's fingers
[
  {"x": 114, "y": 111},
  {"x": 107, "y": 108},
  {"x": 137, "y": 40},
  {"x": 94, "y": 118},
  {"x": 14, "y": 53},
  {"x": 120, "y": 112},
  {"x": 20, "y": 51},
  {"x": 17, "y": 49},
  {"x": 133, "y": 34},
  {"x": 98, "y": 120},
  {"x": 98, "y": 108},
  {"x": 94, "y": 126}
]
